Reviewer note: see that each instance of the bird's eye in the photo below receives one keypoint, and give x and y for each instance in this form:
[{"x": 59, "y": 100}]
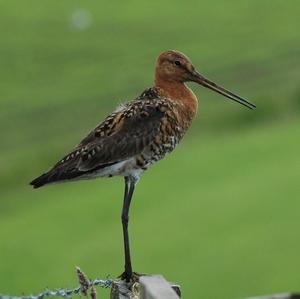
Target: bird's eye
[{"x": 177, "y": 62}]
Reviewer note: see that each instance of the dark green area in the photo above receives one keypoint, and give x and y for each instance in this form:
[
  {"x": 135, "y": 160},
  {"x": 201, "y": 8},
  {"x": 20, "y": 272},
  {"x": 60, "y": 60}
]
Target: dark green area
[{"x": 220, "y": 216}]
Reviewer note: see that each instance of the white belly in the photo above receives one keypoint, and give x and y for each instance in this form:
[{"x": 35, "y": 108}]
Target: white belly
[{"x": 124, "y": 168}]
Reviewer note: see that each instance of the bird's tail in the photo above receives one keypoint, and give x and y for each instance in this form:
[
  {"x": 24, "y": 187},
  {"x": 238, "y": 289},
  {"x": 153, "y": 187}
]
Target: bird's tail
[
  {"x": 55, "y": 174},
  {"x": 52, "y": 176},
  {"x": 41, "y": 180}
]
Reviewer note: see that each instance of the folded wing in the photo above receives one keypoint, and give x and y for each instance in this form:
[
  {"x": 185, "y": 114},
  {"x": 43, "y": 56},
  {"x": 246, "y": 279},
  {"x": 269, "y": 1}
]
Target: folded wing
[{"x": 122, "y": 135}]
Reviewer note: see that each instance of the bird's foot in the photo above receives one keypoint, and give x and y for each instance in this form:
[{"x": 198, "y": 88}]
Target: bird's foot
[{"x": 131, "y": 277}]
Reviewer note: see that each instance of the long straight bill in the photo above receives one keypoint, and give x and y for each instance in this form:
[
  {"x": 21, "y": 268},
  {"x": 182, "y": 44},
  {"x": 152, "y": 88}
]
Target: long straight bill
[{"x": 221, "y": 90}]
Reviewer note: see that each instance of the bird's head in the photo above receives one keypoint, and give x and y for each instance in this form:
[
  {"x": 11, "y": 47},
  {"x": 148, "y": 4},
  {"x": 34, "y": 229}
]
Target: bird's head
[{"x": 174, "y": 66}]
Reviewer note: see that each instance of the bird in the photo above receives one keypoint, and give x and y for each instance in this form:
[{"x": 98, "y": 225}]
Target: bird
[{"x": 138, "y": 134}]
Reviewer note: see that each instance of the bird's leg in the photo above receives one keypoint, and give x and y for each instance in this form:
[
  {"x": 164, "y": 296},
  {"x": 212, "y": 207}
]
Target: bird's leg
[{"x": 129, "y": 189}]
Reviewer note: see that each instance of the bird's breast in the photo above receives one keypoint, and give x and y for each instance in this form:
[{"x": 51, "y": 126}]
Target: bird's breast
[
  {"x": 182, "y": 97},
  {"x": 171, "y": 130}
]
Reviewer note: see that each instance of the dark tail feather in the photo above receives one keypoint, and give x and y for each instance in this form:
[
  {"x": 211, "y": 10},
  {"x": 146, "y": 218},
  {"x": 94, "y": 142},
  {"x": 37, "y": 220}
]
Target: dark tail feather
[
  {"x": 54, "y": 175},
  {"x": 60, "y": 174},
  {"x": 41, "y": 180}
]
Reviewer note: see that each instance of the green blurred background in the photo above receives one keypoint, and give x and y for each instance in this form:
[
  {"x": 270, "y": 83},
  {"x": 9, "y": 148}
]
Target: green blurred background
[{"x": 221, "y": 215}]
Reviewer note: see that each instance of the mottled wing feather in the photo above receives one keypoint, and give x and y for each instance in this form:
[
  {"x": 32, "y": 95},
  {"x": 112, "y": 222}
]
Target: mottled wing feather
[
  {"x": 123, "y": 134},
  {"x": 136, "y": 128},
  {"x": 113, "y": 123}
]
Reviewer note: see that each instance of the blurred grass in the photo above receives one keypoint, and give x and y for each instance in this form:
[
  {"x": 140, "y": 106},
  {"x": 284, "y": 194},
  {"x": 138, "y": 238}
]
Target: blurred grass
[{"x": 224, "y": 207}]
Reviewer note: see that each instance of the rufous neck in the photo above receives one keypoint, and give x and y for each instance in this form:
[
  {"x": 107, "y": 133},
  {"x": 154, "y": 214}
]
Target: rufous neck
[
  {"x": 178, "y": 91},
  {"x": 172, "y": 88}
]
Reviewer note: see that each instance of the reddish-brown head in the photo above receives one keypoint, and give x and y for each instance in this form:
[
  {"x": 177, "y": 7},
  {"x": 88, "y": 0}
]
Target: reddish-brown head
[{"x": 175, "y": 67}]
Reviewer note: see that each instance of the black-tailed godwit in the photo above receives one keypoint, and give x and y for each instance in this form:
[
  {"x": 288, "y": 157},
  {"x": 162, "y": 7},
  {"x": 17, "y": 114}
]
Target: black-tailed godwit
[{"x": 138, "y": 134}]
